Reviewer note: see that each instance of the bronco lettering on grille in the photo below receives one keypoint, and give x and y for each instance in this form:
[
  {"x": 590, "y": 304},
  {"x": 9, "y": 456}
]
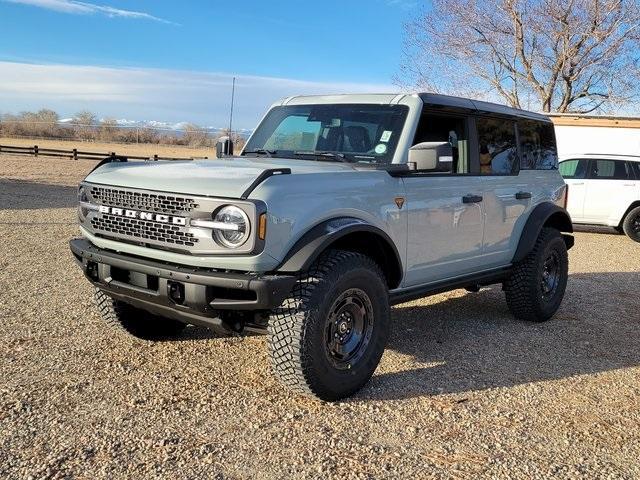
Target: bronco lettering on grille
[{"x": 123, "y": 212}]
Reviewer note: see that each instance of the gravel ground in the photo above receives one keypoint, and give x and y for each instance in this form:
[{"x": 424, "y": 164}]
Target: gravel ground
[{"x": 463, "y": 390}]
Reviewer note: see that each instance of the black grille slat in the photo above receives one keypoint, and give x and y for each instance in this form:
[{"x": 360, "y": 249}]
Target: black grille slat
[
  {"x": 143, "y": 229},
  {"x": 149, "y": 202}
]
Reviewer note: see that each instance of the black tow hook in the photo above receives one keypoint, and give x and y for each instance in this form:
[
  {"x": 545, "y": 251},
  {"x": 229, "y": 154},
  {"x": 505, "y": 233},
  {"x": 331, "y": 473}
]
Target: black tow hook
[{"x": 175, "y": 291}]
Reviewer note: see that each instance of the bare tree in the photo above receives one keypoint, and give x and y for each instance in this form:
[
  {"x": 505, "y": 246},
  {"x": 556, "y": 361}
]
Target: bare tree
[
  {"x": 551, "y": 55},
  {"x": 195, "y": 135},
  {"x": 85, "y": 125},
  {"x": 108, "y": 129}
]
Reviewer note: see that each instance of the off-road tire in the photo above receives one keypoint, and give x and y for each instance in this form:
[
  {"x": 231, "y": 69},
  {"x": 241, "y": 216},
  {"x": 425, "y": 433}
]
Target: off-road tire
[
  {"x": 300, "y": 328},
  {"x": 525, "y": 288},
  {"x": 631, "y": 224},
  {"x": 133, "y": 321}
]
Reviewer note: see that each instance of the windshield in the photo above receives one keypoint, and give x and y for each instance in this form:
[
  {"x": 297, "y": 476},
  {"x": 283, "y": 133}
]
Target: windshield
[{"x": 354, "y": 133}]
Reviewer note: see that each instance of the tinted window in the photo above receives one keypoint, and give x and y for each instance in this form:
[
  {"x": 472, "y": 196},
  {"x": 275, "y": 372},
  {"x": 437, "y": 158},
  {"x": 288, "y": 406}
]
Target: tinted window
[
  {"x": 610, "y": 170},
  {"x": 497, "y": 147},
  {"x": 537, "y": 145},
  {"x": 447, "y": 129},
  {"x": 635, "y": 167},
  {"x": 574, "y": 168}
]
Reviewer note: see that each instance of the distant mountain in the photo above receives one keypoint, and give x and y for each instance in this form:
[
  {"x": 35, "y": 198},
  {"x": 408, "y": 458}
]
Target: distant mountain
[{"x": 168, "y": 126}]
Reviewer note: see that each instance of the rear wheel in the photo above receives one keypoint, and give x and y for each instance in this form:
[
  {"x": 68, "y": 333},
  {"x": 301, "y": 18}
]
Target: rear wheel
[
  {"x": 327, "y": 338},
  {"x": 537, "y": 284},
  {"x": 631, "y": 224},
  {"x": 133, "y": 321}
]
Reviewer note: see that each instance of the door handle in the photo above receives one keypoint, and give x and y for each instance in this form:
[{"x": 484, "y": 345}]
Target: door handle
[
  {"x": 523, "y": 195},
  {"x": 472, "y": 199},
  {"x": 581, "y": 183},
  {"x": 629, "y": 185}
]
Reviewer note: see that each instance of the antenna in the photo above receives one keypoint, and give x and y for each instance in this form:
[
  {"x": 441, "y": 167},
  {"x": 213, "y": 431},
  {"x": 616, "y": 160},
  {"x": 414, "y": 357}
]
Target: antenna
[{"x": 233, "y": 93}]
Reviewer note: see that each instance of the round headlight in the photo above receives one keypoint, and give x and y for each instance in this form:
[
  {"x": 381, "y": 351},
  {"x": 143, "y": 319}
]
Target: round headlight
[{"x": 234, "y": 227}]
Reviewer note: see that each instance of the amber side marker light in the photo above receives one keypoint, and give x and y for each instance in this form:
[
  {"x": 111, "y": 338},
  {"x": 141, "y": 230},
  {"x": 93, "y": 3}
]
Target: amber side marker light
[{"x": 262, "y": 226}]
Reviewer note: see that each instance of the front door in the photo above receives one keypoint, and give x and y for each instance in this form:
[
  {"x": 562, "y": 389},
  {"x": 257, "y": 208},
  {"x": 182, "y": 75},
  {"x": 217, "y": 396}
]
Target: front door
[{"x": 445, "y": 208}]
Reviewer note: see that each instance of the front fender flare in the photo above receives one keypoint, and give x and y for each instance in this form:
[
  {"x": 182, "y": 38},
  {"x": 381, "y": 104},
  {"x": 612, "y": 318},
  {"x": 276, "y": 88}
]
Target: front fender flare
[
  {"x": 546, "y": 213},
  {"x": 309, "y": 247}
]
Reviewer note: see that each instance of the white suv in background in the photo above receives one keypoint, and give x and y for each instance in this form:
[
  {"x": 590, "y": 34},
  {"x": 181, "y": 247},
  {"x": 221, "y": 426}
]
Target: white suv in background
[{"x": 604, "y": 190}]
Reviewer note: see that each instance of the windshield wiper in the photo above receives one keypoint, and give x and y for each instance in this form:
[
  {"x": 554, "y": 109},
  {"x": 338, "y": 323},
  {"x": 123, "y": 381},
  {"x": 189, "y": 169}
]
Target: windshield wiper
[
  {"x": 260, "y": 151},
  {"x": 341, "y": 157}
]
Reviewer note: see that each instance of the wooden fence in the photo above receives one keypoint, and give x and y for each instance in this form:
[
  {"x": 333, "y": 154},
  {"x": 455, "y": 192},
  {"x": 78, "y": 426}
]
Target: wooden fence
[{"x": 76, "y": 154}]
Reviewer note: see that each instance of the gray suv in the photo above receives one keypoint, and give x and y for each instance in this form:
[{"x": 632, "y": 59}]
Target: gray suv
[{"x": 338, "y": 207}]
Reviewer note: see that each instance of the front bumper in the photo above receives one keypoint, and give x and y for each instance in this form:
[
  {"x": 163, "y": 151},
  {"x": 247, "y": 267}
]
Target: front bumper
[{"x": 192, "y": 295}]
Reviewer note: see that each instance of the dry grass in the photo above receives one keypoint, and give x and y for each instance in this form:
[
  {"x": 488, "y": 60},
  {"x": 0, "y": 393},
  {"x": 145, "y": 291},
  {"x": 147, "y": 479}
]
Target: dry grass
[{"x": 120, "y": 148}]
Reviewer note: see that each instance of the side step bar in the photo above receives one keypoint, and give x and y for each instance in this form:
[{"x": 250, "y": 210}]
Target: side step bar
[{"x": 488, "y": 277}]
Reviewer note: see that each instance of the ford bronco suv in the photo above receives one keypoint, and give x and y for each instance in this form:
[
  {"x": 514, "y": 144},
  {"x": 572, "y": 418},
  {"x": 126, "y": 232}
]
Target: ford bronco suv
[{"x": 338, "y": 207}]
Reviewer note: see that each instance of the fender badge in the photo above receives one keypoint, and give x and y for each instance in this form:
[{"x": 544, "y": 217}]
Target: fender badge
[{"x": 399, "y": 202}]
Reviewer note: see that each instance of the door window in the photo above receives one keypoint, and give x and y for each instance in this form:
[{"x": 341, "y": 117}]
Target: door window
[
  {"x": 497, "y": 146},
  {"x": 537, "y": 145},
  {"x": 610, "y": 170},
  {"x": 574, "y": 168},
  {"x": 447, "y": 129}
]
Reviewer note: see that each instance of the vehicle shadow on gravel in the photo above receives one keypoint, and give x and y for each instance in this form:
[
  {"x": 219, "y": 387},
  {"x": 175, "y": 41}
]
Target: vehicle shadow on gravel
[
  {"x": 26, "y": 195},
  {"x": 471, "y": 343}
]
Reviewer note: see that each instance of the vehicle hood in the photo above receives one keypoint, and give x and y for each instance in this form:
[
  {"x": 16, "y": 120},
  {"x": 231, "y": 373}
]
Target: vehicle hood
[{"x": 229, "y": 177}]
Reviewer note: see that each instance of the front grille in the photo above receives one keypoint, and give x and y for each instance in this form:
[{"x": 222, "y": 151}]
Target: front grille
[
  {"x": 143, "y": 229},
  {"x": 149, "y": 202}
]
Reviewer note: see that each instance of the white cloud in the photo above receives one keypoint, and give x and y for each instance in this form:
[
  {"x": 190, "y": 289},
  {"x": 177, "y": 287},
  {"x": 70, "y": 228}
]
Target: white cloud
[
  {"x": 83, "y": 8},
  {"x": 153, "y": 94}
]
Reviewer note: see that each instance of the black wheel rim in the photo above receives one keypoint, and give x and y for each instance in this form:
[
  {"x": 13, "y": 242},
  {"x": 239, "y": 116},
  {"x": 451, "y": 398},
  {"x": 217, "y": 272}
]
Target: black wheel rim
[
  {"x": 635, "y": 225},
  {"x": 348, "y": 329},
  {"x": 550, "y": 276}
]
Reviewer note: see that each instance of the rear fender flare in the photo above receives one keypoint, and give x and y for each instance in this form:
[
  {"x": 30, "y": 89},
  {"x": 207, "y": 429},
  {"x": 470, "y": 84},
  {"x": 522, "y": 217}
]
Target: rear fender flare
[{"x": 545, "y": 214}]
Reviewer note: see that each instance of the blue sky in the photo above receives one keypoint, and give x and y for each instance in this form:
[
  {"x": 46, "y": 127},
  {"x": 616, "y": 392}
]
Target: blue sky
[{"x": 172, "y": 61}]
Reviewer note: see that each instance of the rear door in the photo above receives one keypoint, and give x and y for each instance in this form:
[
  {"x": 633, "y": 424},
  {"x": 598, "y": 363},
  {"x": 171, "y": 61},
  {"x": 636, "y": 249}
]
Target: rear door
[
  {"x": 506, "y": 196},
  {"x": 610, "y": 189},
  {"x": 574, "y": 172}
]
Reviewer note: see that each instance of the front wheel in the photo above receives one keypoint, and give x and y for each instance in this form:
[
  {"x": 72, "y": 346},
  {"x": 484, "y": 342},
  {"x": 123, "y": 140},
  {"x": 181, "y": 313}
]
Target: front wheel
[
  {"x": 631, "y": 224},
  {"x": 537, "y": 284},
  {"x": 327, "y": 338}
]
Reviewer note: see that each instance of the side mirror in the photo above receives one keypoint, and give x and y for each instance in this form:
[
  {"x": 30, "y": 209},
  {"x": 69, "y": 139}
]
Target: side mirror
[
  {"x": 434, "y": 156},
  {"x": 224, "y": 147}
]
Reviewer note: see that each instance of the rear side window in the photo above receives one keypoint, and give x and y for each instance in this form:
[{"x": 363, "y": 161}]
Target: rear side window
[
  {"x": 574, "y": 168},
  {"x": 537, "y": 145},
  {"x": 635, "y": 167},
  {"x": 497, "y": 146},
  {"x": 610, "y": 170}
]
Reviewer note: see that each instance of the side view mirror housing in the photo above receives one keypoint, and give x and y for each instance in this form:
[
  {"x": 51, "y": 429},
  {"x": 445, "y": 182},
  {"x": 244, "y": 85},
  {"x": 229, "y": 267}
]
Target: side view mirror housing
[
  {"x": 433, "y": 156},
  {"x": 224, "y": 147}
]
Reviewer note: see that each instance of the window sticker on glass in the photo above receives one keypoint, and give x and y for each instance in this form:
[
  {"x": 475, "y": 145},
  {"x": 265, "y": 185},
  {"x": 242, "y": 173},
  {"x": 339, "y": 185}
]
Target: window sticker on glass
[
  {"x": 386, "y": 136},
  {"x": 381, "y": 149}
]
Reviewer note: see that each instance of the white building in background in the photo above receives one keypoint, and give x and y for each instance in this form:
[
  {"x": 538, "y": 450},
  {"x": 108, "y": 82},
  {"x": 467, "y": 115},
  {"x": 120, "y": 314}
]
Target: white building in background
[{"x": 577, "y": 134}]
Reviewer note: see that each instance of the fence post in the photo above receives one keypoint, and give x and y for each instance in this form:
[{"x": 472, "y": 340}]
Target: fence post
[
  {"x": 35, "y": 150},
  {"x": 75, "y": 153}
]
